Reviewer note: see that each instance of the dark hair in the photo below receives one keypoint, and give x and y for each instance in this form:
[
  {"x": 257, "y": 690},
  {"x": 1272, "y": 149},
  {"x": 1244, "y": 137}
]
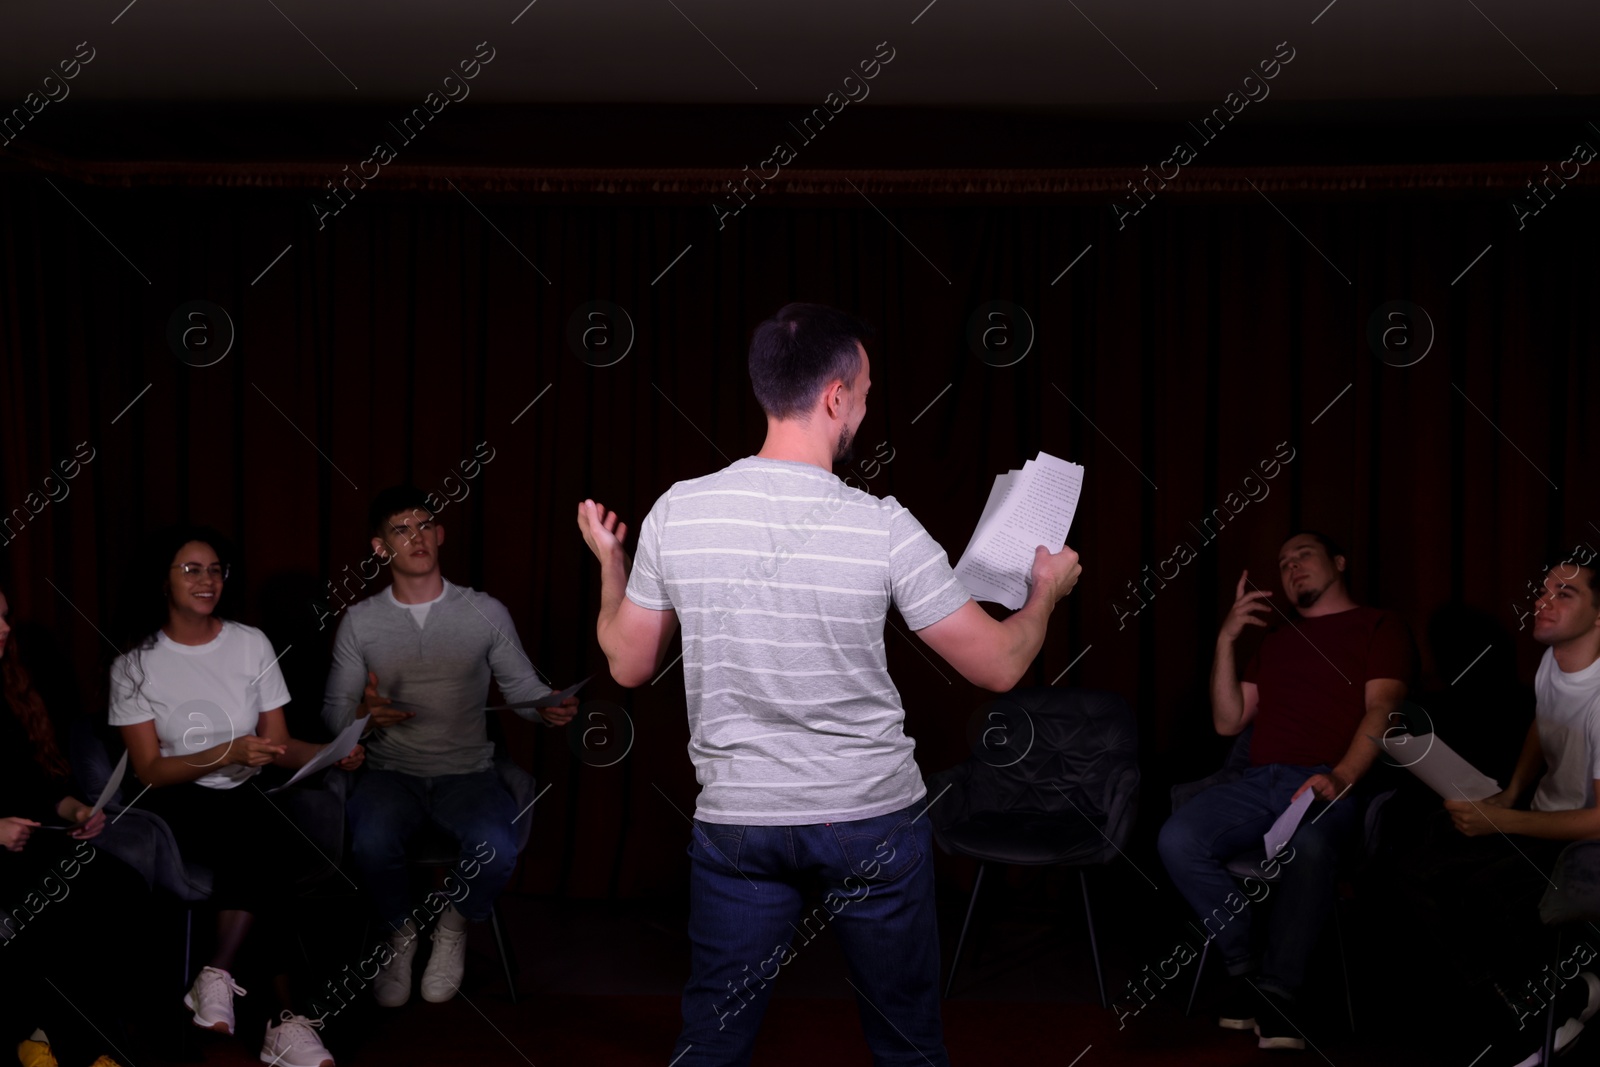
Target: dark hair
[
  {"x": 392, "y": 501},
  {"x": 798, "y": 351},
  {"x": 28, "y": 707},
  {"x": 1329, "y": 545},
  {"x": 1576, "y": 559},
  {"x": 143, "y": 610}
]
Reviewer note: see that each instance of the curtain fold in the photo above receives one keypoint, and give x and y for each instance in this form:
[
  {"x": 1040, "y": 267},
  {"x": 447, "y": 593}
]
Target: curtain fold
[{"x": 1176, "y": 356}]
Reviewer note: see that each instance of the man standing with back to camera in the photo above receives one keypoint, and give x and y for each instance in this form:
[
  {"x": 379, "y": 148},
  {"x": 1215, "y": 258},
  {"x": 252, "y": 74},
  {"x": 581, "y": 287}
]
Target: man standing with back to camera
[{"x": 782, "y": 577}]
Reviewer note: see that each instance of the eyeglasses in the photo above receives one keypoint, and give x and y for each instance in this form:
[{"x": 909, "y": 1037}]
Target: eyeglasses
[{"x": 195, "y": 570}]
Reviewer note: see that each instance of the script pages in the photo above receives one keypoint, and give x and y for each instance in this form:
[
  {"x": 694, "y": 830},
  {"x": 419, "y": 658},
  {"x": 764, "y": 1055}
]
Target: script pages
[{"x": 1026, "y": 508}]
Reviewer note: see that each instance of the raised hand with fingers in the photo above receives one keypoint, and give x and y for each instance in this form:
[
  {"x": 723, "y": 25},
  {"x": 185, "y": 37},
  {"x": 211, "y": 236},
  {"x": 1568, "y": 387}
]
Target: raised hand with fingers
[
  {"x": 601, "y": 530},
  {"x": 1250, "y": 608}
]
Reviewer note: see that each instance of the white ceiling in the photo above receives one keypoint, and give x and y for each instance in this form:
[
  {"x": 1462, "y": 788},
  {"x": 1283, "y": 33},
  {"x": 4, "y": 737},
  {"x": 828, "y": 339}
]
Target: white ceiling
[{"x": 993, "y": 53}]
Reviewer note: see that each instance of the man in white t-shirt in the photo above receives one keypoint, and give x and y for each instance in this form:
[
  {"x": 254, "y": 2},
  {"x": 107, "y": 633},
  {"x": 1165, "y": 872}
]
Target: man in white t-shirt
[
  {"x": 1491, "y": 894},
  {"x": 782, "y": 577}
]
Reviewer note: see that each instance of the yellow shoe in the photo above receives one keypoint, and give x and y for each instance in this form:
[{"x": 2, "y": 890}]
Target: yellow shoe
[
  {"x": 35, "y": 1054},
  {"x": 105, "y": 1061}
]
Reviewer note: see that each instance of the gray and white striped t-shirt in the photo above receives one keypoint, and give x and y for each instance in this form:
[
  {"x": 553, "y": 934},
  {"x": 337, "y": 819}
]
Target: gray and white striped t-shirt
[{"x": 781, "y": 576}]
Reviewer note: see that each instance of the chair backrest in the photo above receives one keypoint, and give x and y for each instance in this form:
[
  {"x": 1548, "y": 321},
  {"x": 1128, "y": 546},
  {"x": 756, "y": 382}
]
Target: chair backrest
[
  {"x": 1077, "y": 750},
  {"x": 90, "y": 758},
  {"x": 1574, "y": 893},
  {"x": 1233, "y": 767}
]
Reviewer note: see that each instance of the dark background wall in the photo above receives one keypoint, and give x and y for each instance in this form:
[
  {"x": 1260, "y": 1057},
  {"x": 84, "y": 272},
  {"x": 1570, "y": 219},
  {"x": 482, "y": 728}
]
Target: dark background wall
[{"x": 1227, "y": 319}]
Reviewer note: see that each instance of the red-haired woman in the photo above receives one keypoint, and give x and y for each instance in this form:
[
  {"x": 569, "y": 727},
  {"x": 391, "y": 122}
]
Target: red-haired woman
[{"x": 60, "y": 898}]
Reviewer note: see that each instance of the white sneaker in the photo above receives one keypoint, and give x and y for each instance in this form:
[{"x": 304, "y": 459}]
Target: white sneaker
[
  {"x": 1568, "y": 1031},
  {"x": 392, "y": 986},
  {"x": 293, "y": 1042},
  {"x": 442, "y": 977},
  {"x": 211, "y": 999}
]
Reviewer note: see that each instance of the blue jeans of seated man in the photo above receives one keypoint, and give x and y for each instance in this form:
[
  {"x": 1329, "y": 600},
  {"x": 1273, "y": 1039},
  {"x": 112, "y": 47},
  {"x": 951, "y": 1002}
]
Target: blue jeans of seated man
[
  {"x": 749, "y": 914},
  {"x": 387, "y": 808},
  {"x": 1229, "y": 820}
]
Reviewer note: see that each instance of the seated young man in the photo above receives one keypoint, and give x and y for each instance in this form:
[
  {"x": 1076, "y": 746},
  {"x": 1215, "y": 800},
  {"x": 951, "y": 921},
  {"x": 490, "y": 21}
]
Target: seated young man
[
  {"x": 1316, "y": 690},
  {"x": 416, "y": 659},
  {"x": 1484, "y": 896}
]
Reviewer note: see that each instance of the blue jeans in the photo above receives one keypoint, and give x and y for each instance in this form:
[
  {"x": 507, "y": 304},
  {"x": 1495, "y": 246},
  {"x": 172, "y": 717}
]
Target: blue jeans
[
  {"x": 748, "y": 917},
  {"x": 387, "y": 808},
  {"x": 1229, "y": 820}
]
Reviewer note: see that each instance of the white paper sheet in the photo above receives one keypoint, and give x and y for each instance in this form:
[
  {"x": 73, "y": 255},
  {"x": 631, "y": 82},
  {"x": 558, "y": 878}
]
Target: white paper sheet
[
  {"x": 1440, "y": 766},
  {"x": 1027, "y": 508},
  {"x": 548, "y": 701},
  {"x": 112, "y": 783},
  {"x": 997, "y": 494},
  {"x": 330, "y": 753},
  {"x": 1283, "y": 829}
]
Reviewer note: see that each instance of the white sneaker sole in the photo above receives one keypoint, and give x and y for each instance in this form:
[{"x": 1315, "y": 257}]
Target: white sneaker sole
[
  {"x": 277, "y": 1060},
  {"x": 439, "y": 997},
  {"x": 1569, "y": 1030},
  {"x": 221, "y": 1026},
  {"x": 1237, "y": 1024},
  {"x": 1278, "y": 1042}
]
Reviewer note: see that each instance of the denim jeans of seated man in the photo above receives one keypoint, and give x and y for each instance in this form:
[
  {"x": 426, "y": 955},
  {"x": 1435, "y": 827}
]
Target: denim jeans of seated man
[
  {"x": 1229, "y": 820},
  {"x": 387, "y": 808},
  {"x": 759, "y": 895}
]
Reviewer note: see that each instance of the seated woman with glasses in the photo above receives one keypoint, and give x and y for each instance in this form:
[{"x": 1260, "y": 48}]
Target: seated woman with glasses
[{"x": 199, "y": 700}]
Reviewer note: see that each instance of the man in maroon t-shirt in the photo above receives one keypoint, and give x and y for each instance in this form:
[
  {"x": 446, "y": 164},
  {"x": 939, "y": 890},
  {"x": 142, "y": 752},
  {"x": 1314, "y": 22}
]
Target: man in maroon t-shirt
[{"x": 1317, "y": 690}]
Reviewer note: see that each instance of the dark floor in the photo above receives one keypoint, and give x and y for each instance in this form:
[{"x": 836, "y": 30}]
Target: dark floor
[{"x": 598, "y": 983}]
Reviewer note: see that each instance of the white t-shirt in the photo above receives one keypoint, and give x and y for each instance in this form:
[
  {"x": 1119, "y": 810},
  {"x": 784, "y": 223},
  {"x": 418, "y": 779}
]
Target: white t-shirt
[
  {"x": 200, "y": 696},
  {"x": 418, "y": 611},
  {"x": 1568, "y": 714}
]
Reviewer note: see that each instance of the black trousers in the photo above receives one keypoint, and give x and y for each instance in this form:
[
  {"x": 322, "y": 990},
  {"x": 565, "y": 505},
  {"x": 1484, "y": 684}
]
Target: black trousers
[{"x": 255, "y": 852}]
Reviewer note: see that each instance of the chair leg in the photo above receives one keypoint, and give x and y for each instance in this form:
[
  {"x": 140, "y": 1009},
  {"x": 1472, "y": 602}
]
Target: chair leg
[
  {"x": 1199, "y": 969},
  {"x": 185, "y": 1030},
  {"x": 961, "y": 941},
  {"x": 502, "y": 944},
  {"x": 188, "y": 945},
  {"x": 1550, "y": 1014},
  {"x": 1094, "y": 945},
  {"x": 1344, "y": 966}
]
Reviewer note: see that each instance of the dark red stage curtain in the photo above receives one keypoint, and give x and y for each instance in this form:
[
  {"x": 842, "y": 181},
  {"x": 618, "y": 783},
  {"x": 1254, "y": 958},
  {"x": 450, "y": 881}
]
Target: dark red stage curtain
[{"x": 1179, "y": 352}]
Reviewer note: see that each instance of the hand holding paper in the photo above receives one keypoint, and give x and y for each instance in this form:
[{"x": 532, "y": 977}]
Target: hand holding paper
[
  {"x": 111, "y": 785},
  {"x": 1026, "y": 509},
  {"x": 1439, "y": 765},
  {"x": 551, "y": 700},
  {"x": 329, "y": 754},
  {"x": 381, "y": 709},
  {"x": 1277, "y": 837}
]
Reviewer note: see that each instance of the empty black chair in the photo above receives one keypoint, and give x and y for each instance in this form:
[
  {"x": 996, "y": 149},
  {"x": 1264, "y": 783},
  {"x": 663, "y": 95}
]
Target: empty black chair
[{"x": 1053, "y": 781}]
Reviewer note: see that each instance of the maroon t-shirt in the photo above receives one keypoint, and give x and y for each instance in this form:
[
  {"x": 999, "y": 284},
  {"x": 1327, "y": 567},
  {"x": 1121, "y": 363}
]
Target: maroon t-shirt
[{"x": 1312, "y": 677}]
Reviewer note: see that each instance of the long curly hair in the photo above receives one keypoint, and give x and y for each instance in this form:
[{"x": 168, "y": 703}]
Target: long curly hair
[
  {"x": 26, "y": 704},
  {"x": 144, "y": 607}
]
